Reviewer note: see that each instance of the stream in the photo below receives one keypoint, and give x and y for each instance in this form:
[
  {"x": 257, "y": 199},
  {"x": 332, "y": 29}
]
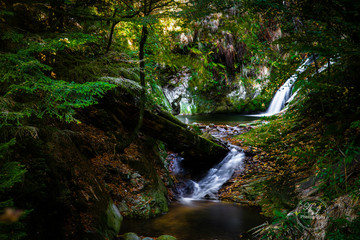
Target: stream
[
  {"x": 199, "y": 220},
  {"x": 198, "y": 215}
]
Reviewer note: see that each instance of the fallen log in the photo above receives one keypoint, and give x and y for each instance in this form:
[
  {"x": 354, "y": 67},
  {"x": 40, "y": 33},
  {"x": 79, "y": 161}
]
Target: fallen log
[{"x": 198, "y": 152}]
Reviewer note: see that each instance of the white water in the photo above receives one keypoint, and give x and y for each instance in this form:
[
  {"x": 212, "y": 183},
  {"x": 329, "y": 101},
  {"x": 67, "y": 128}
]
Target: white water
[
  {"x": 284, "y": 92},
  {"x": 216, "y": 177}
]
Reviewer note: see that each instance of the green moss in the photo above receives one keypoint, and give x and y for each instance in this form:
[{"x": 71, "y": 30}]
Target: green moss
[
  {"x": 113, "y": 220},
  {"x": 166, "y": 237},
  {"x": 131, "y": 236}
]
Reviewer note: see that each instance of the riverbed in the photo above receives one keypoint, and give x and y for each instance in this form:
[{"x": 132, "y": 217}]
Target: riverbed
[{"x": 190, "y": 219}]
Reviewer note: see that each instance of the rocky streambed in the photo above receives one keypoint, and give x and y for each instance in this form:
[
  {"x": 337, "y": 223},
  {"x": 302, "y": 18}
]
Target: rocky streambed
[
  {"x": 231, "y": 219},
  {"x": 240, "y": 187}
]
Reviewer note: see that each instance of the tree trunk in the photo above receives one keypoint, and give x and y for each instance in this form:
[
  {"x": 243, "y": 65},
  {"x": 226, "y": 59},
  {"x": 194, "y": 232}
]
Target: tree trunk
[
  {"x": 111, "y": 32},
  {"x": 132, "y": 137},
  {"x": 144, "y": 35}
]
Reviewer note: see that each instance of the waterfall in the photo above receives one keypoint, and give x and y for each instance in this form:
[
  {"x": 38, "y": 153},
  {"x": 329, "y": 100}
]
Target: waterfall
[
  {"x": 284, "y": 92},
  {"x": 215, "y": 178},
  {"x": 281, "y": 96}
]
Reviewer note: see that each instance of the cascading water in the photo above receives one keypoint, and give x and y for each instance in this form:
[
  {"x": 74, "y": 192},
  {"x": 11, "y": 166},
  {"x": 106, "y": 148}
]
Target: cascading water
[
  {"x": 215, "y": 178},
  {"x": 284, "y": 92}
]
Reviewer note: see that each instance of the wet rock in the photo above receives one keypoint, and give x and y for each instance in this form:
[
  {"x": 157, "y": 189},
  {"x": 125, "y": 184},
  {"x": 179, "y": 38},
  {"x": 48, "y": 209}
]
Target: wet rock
[
  {"x": 131, "y": 236},
  {"x": 220, "y": 129},
  {"x": 135, "y": 175},
  {"x": 148, "y": 238},
  {"x": 114, "y": 220}
]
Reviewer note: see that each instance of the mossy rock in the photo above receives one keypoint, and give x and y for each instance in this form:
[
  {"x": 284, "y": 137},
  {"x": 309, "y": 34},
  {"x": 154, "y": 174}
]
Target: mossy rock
[
  {"x": 114, "y": 220},
  {"x": 166, "y": 237},
  {"x": 130, "y": 236},
  {"x": 148, "y": 238},
  {"x": 143, "y": 208}
]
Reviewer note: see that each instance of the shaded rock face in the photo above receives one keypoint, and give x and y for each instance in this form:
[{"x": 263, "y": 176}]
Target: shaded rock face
[
  {"x": 199, "y": 153},
  {"x": 114, "y": 220},
  {"x": 80, "y": 183},
  {"x": 79, "y": 186},
  {"x": 177, "y": 94},
  {"x": 67, "y": 199}
]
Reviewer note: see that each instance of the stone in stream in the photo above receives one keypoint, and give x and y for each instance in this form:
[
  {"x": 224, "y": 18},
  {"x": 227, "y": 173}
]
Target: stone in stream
[
  {"x": 221, "y": 129},
  {"x": 114, "y": 220},
  {"x": 131, "y": 236}
]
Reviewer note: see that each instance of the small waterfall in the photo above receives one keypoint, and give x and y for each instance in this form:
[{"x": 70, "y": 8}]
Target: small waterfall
[
  {"x": 215, "y": 178},
  {"x": 281, "y": 96},
  {"x": 175, "y": 163},
  {"x": 284, "y": 92}
]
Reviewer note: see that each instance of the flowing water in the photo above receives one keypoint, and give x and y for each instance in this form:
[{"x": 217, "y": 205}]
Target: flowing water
[
  {"x": 208, "y": 186},
  {"x": 195, "y": 216},
  {"x": 198, "y": 215},
  {"x": 284, "y": 92}
]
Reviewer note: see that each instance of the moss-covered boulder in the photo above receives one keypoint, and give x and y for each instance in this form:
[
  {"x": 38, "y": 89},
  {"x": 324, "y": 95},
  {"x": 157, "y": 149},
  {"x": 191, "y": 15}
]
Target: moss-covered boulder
[
  {"x": 130, "y": 236},
  {"x": 199, "y": 153},
  {"x": 67, "y": 198},
  {"x": 166, "y": 237},
  {"x": 114, "y": 220}
]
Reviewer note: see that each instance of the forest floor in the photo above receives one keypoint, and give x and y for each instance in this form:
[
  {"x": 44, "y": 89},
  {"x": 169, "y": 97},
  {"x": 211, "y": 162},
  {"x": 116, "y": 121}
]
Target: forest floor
[{"x": 289, "y": 159}]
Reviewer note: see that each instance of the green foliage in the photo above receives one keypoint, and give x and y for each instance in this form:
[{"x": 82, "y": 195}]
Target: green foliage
[
  {"x": 14, "y": 231},
  {"x": 29, "y": 88},
  {"x": 258, "y": 103},
  {"x": 314, "y": 27},
  {"x": 284, "y": 226},
  {"x": 10, "y": 174},
  {"x": 335, "y": 173},
  {"x": 343, "y": 229}
]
